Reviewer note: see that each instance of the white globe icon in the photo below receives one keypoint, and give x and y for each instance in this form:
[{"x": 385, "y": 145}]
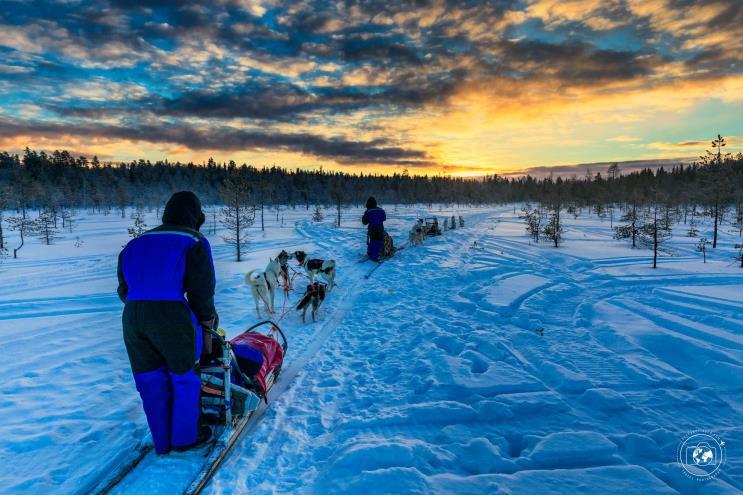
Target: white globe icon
[{"x": 703, "y": 455}]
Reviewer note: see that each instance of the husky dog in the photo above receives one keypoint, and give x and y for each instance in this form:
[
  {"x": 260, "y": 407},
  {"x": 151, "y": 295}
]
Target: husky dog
[
  {"x": 283, "y": 260},
  {"x": 461, "y": 222},
  {"x": 417, "y": 233},
  {"x": 314, "y": 296},
  {"x": 261, "y": 290},
  {"x": 273, "y": 272},
  {"x": 446, "y": 226},
  {"x": 315, "y": 266},
  {"x": 263, "y": 284}
]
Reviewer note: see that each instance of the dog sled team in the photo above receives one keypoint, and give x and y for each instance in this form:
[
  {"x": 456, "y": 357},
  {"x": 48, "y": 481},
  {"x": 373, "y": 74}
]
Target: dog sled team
[
  {"x": 263, "y": 284},
  {"x": 428, "y": 227}
]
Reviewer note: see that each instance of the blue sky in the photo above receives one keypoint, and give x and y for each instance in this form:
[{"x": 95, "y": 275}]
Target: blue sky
[{"x": 438, "y": 87}]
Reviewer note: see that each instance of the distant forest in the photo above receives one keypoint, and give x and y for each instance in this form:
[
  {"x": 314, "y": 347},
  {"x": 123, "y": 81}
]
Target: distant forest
[
  {"x": 55, "y": 185},
  {"x": 38, "y": 180}
]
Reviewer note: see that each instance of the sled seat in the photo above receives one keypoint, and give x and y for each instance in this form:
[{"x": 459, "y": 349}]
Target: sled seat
[{"x": 258, "y": 356}]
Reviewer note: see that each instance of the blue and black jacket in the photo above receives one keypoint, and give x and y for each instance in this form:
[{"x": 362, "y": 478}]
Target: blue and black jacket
[
  {"x": 374, "y": 217},
  {"x": 166, "y": 281}
]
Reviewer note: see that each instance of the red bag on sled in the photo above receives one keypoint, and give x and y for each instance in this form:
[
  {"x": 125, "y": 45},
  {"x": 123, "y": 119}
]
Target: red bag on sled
[{"x": 257, "y": 355}]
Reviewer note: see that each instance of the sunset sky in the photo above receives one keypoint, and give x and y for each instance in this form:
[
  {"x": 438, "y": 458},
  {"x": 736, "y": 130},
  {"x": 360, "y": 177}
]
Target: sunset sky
[{"x": 465, "y": 88}]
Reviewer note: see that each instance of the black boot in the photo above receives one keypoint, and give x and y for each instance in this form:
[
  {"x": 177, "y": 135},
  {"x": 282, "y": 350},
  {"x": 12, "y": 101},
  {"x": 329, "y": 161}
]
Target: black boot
[{"x": 205, "y": 434}]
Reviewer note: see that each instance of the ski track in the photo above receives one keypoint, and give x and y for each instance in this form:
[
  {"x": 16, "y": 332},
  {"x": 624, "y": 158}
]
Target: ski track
[
  {"x": 429, "y": 377},
  {"x": 426, "y": 387}
]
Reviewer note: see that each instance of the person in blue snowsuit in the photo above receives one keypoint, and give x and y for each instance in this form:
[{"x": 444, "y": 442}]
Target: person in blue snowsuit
[
  {"x": 166, "y": 281},
  {"x": 374, "y": 217}
]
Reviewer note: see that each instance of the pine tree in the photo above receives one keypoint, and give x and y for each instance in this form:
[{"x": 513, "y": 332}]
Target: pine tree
[
  {"x": 24, "y": 226},
  {"x": 630, "y": 229},
  {"x": 67, "y": 219},
  {"x": 277, "y": 208},
  {"x": 655, "y": 232},
  {"x": 600, "y": 210},
  {"x": 739, "y": 254},
  {"x": 264, "y": 192},
  {"x": 122, "y": 198},
  {"x": 702, "y": 247},
  {"x": 238, "y": 213},
  {"x": 737, "y": 223},
  {"x": 453, "y": 224},
  {"x": 48, "y": 181},
  {"x": 573, "y": 210},
  {"x": 46, "y": 228},
  {"x": 533, "y": 219},
  {"x": 553, "y": 230},
  {"x": 4, "y": 200},
  {"x": 317, "y": 215},
  {"x": 139, "y": 227},
  {"x": 338, "y": 193},
  {"x": 716, "y": 185},
  {"x": 693, "y": 230}
]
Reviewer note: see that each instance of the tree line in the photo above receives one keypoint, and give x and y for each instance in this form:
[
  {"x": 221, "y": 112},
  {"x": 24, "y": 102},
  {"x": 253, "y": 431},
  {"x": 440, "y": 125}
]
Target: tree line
[
  {"x": 55, "y": 185},
  {"x": 646, "y": 205}
]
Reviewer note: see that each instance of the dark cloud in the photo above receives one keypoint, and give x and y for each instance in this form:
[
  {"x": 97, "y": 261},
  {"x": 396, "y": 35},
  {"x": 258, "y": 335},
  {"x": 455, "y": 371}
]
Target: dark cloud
[
  {"x": 259, "y": 101},
  {"x": 378, "y": 49},
  {"x": 576, "y": 63},
  {"x": 277, "y": 100},
  {"x": 224, "y": 138}
]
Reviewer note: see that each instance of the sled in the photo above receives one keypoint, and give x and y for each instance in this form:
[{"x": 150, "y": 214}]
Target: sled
[
  {"x": 233, "y": 386},
  {"x": 236, "y": 379},
  {"x": 431, "y": 227},
  {"x": 373, "y": 269}
]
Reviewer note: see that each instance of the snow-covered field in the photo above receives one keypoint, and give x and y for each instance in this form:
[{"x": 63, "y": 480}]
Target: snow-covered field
[{"x": 430, "y": 377}]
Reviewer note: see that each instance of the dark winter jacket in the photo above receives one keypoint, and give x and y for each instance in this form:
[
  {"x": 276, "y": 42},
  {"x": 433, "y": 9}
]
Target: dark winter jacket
[
  {"x": 166, "y": 275},
  {"x": 374, "y": 218}
]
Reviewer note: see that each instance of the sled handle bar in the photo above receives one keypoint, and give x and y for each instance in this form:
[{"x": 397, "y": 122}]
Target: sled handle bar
[
  {"x": 214, "y": 333},
  {"x": 284, "y": 345}
]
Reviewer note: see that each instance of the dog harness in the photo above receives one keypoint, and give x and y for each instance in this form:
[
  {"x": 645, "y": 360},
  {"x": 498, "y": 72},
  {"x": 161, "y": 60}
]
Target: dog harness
[{"x": 315, "y": 264}]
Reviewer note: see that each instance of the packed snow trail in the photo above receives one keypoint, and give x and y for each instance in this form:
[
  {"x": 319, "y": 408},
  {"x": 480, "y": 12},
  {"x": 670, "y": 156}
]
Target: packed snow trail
[{"x": 438, "y": 381}]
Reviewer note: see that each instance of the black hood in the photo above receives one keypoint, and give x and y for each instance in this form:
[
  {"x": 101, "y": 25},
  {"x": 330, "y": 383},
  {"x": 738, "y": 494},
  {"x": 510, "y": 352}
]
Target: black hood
[
  {"x": 184, "y": 209},
  {"x": 371, "y": 202}
]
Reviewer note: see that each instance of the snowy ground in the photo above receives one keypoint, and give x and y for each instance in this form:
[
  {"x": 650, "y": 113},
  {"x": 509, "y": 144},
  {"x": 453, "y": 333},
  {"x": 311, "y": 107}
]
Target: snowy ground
[{"x": 430, "y": 377}]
